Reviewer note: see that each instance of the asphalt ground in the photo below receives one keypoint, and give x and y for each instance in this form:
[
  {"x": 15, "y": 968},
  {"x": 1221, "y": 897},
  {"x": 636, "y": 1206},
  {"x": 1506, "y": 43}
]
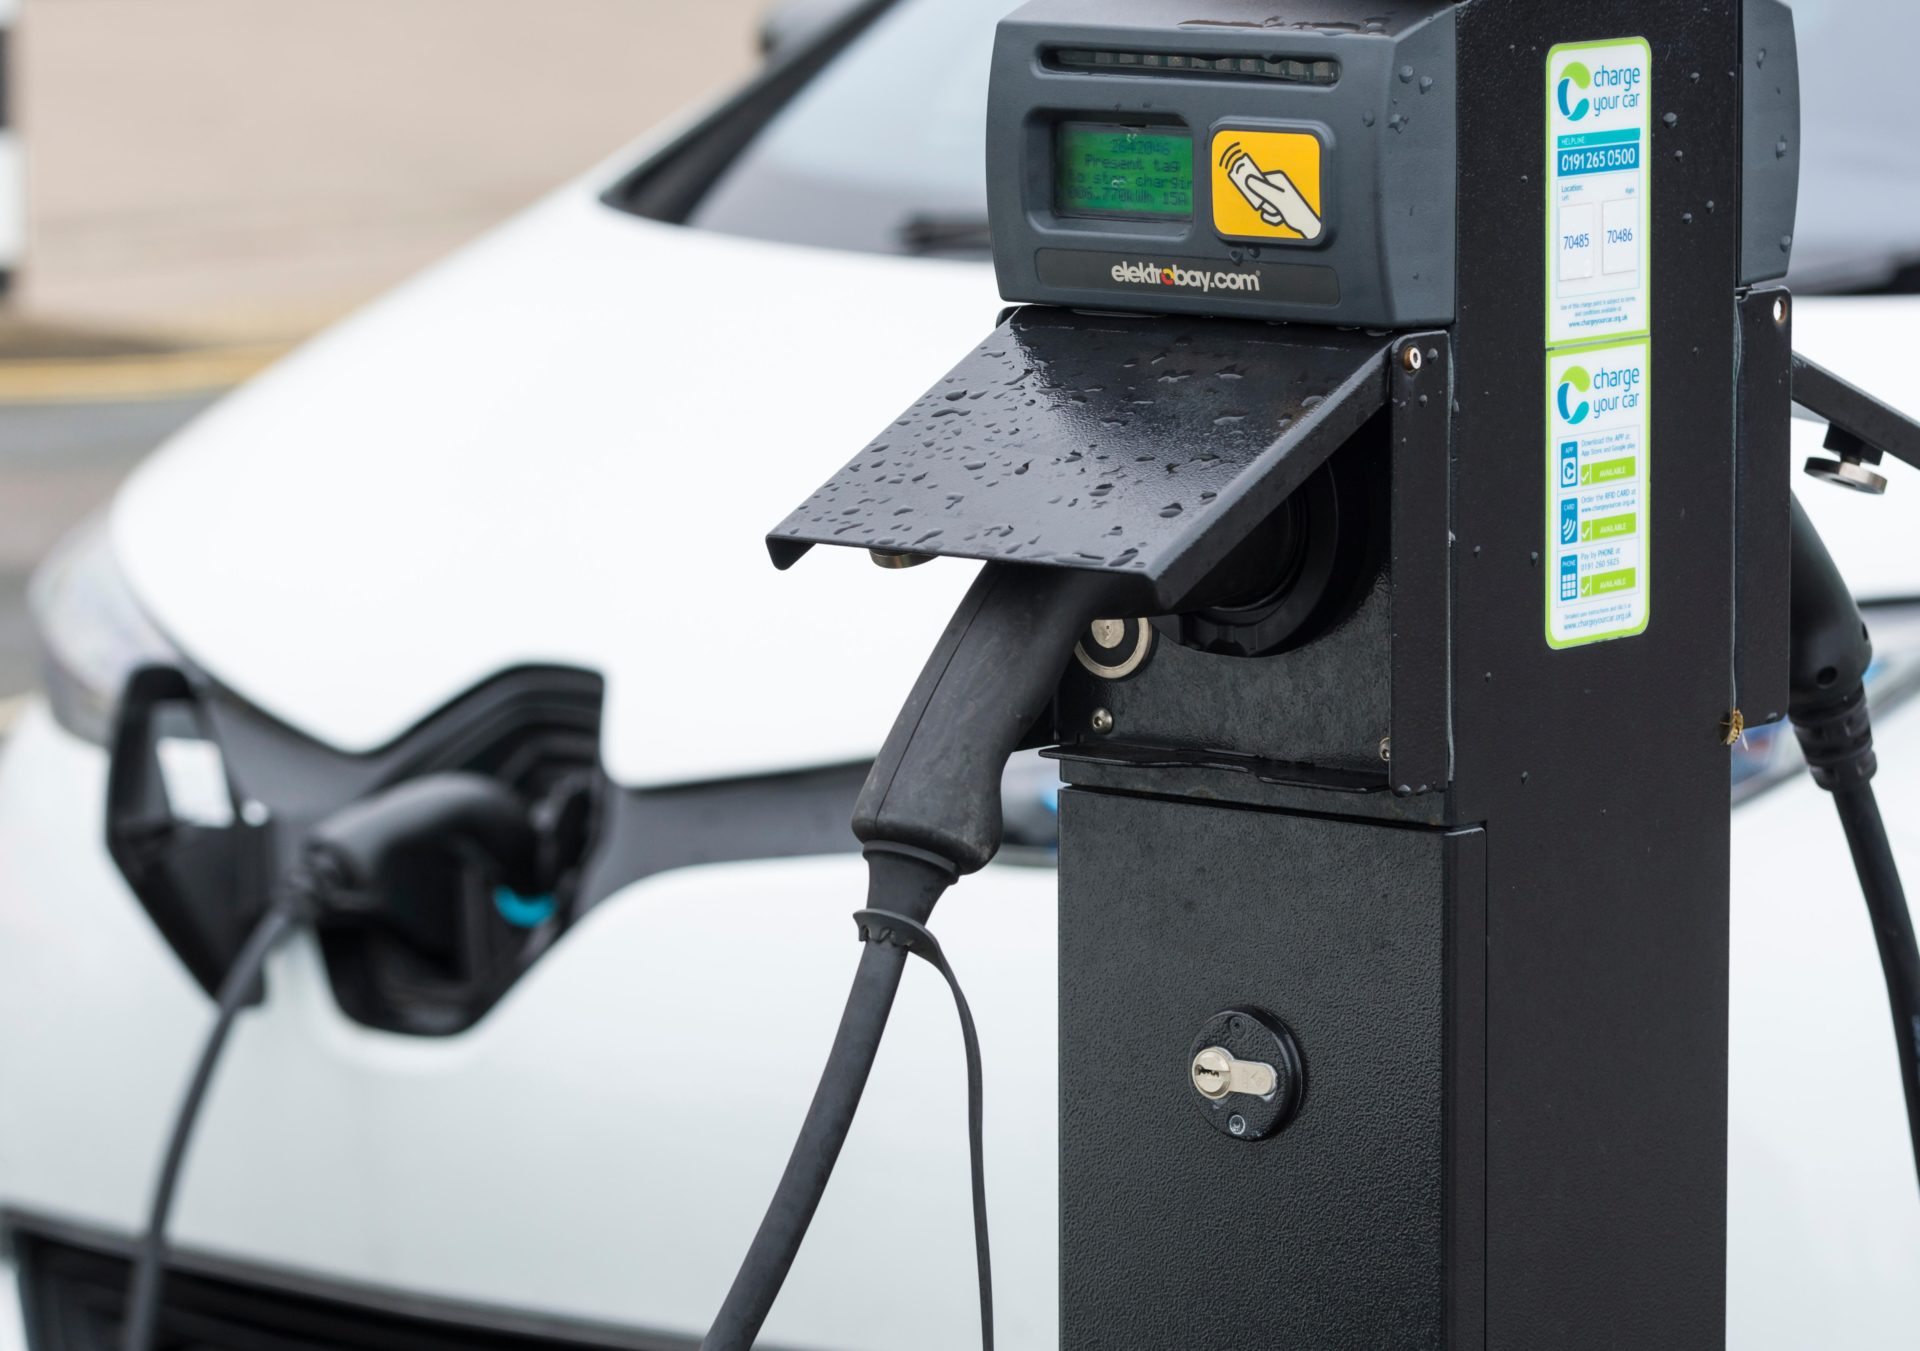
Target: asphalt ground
[{"x": 60, "y": 462}]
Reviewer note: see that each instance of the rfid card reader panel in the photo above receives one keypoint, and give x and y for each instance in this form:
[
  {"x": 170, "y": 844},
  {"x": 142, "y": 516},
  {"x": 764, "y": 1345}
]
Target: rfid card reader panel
[{"x": 1225, "y": 165}]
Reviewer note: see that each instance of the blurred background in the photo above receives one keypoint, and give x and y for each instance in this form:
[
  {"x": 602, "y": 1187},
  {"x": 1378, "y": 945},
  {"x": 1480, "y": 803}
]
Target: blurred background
[{"x": 206, "y": 182}]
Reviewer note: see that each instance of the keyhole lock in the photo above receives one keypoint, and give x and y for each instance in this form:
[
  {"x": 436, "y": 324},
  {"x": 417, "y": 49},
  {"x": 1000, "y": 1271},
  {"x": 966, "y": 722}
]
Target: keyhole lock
[
  {"x": 1244, "y": 1072},
  {"x": 1217, "y": 1074}
]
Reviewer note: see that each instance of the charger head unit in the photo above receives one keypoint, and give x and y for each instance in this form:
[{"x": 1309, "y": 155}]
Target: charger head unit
[{"x": 1221, "y": 159}]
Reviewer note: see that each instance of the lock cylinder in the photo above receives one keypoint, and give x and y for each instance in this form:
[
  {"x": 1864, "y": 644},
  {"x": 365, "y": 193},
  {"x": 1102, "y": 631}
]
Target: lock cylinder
[
  {"x": 1245, "y": 1073},
  {"x": 1218, "y": 1075}
]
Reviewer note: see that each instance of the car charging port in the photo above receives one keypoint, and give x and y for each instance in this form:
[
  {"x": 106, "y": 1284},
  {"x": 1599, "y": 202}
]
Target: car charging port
[
  {"x": 433, "y": 920},
  {"x": 210, "y": 801},
  {"x": 446, "y": 929}
]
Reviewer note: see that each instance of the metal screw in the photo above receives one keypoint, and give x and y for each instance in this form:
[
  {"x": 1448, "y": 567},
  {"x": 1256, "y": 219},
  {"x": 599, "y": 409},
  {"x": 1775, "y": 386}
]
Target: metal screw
[
  {"x": 1102, "y": 721},
  {"x": 887, "y": 558},
  {"x": 1780, "y": 310},
  {"x": 1410, "y": 357},
  {"x": 1386, "y": 748},
  {"x": 1237, "y": 1124}
]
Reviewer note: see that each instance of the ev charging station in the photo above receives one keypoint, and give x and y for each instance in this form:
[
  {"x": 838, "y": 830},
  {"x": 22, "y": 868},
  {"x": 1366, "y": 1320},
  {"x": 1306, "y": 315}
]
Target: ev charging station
[{"x": 1368, "y": 370}]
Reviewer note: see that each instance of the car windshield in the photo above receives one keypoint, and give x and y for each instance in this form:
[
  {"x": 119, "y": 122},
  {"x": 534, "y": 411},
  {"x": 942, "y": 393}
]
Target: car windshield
[
  {"x": 885, "y": 150},
  {"x": 1859, "y": 226}
]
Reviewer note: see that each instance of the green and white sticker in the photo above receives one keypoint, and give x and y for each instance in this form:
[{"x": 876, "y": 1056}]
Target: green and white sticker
[
  {"x": 1599, "y": 374},
  {"x": 1598, "y": 409},
  {"x": 1599, "y": 175}
]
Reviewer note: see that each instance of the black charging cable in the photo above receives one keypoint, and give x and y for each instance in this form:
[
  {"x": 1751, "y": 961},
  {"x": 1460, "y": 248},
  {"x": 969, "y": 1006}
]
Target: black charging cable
[
  {"x": 237, "y": 989},
  {"x": 883, "y": 926},
  {"x": 929, "y": 814},
  {"x": 1831, "y": 651},
  {"x": 338, "y": 876}
]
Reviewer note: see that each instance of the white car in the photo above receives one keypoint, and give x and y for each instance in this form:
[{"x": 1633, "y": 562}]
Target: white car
[{"x": 542, "y": 471}]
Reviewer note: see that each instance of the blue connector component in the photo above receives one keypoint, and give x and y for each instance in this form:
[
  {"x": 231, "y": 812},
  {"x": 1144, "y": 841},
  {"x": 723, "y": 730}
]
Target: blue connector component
[{"x": 523, "y": 912}]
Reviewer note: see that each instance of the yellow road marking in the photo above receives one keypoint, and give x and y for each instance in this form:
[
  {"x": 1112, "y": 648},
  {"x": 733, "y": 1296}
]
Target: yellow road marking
[{"x": 147, "y": 376}]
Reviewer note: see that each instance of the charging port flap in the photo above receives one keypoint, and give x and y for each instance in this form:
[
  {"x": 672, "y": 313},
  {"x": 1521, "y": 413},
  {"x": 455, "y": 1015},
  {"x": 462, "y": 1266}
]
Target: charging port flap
[{"x": 1148, "y": 447}]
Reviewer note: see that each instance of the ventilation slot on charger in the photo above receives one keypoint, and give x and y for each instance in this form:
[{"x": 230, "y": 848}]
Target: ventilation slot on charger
[{"x": 1284, "y": 69}]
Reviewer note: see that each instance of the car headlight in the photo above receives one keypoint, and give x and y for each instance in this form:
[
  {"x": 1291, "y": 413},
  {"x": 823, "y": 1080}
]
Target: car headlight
[
  {"x": 92, "y": 633},
  {"x": 1770, "y": 755}
]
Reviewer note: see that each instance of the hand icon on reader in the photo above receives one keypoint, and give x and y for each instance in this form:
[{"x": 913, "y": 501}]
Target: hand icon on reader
[{"x": 1272, "y": 194}]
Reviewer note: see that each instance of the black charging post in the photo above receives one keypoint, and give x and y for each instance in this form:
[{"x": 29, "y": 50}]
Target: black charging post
[{"x": 1418, "y": 387}]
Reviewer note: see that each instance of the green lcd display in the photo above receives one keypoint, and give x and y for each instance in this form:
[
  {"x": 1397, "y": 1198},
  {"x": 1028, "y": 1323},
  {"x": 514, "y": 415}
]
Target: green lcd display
[{"x": 1128, "y": 173}]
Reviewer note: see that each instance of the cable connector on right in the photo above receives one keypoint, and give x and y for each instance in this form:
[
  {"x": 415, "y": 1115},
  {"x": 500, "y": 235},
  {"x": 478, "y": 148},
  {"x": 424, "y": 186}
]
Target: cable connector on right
[
  {"x": 1837, "y": 741},
  {"x": 1830, "y": 656},
  {"x": 1827, "y": 666}
]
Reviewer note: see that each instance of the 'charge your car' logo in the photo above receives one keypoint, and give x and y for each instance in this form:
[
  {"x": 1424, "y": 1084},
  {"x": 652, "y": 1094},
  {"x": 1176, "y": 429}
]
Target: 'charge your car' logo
[
  {"x": 1575, "y": 75},
  {"x": 1601, "y": 393},
  {"x": 1576, "y": 380},
  {"x": 1604, "y": 89}
]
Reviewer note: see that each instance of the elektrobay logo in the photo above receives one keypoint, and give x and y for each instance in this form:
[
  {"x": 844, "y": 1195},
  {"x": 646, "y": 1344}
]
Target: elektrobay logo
[{"x": 1159, "y": 274}]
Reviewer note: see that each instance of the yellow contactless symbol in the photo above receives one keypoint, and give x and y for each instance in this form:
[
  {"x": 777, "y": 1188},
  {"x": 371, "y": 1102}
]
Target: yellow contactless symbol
[{"x": 1266, "y": 185}]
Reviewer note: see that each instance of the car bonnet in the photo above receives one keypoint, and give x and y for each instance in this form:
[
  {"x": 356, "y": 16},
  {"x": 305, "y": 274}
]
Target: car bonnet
[{"x": 565, "y": 445}]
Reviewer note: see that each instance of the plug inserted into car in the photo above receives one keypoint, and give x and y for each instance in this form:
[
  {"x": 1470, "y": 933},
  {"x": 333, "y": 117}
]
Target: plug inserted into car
[
  {"x": 350, "y": 853},
  {"x": 338, "y": 876}
]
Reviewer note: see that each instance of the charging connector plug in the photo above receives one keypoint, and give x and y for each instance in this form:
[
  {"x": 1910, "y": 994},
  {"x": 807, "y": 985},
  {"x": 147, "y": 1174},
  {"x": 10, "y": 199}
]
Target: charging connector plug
[
  {"x": 352, "y": 850},
  {"x": 928, "y": 815}
]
